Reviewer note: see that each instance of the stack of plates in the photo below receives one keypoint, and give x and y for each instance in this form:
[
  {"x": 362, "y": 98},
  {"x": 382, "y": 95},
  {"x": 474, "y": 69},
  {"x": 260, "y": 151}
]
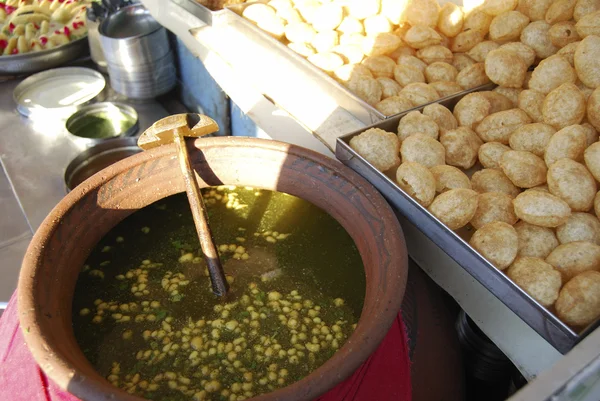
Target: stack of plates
[{"x": 139, "y": 59}]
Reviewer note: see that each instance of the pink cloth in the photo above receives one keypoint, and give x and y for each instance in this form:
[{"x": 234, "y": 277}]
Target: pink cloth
[{"x": 384, "y": 376}]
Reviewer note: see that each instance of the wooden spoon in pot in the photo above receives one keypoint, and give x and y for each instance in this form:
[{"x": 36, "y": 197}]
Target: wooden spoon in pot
[{"x": 174, "y": 129}]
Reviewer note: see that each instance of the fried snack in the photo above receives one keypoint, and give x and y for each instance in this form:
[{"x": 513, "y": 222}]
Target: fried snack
[
  {"x": 570, "y": 142},
  {"x": 368, "y": 89},
  {"x": 380, "y": 66},
  {"x": 422, "y": 12},
  {"x": 573, "y": 258},
  {"x": 593, "y": 108},
  {"x": 441, "y": 115},
  {"x": 562, "y": 34},
  {"x": 440, "y": 71},
  {"x": 417, "y": 181},
  {"x": 490, "y": 153},
  {"x": 258, "y": 12},
  {"x": 524, "y": 169},
  {"x": 348, "y": 72},
  {"x": 587, "y": 61},
  {"x": 451, "y": 19},
  {"x": 466, "y": 40},
  {"x": 580, "y": 227},
  {"x": 578, "y": 303},
  {"x": 497, "y": 7},
  {"x": 590, "y": 133},
  {"x": 406, "y": 74},
  {"x": 552, "y": 73},
  {"x": 573, "y": 183},
  {"x": 597, "y": 204},
  {"x": 303, "y": 49},
  {"x": 493, "y": 180},
  {"x": 420, "y": 93},
  {"x": 481, "y": 50},
  {"x": 389, "y": 87},
  {"x": 413, "y": 62},
  {"x": 417, "y": 123},
  {"x": 380, "y": 44},
  {"x": 449, "y": 177},
  {"x": 419, "y": 37},
  {"x": 328, "y": 17},
  {"x": 324, "y": 41},
  {"x": 455, "y": 208},
  {"x": 446, "y": 88},
  {"x": 532, "y": 138},
  {"x": 535, "y": 9},
  {"x": 508, "y": 26},
  {"x": 361, "y": 9},
  {"x": 591, "y": 157},
  {"x": 589, "y": 25},
  {"x": 460, "y": 61},
  {"x": 377, "y": 24},
  {"x": 535, "y": 35},
  {"x": 585, "y": 7},
  {"x": 378, "y": 147},
  {"x": 494, "y": 206},
  {"x": 432, "y": 54},
  {"x": 472, "y": 109},
  {"x": 350, "y": 25},
  {"x": 472, "y": 76},
  {"x": 505, "y": 68},
  {"x": 328, "y": 61},
  {"x": 526, "y": 53},
  {"x": 568, "y": 52},
  {"x": 497, "y": 242},
  {"x": 423, "y": 149},
  {"x": 511, "y": 94},
  {"x": 299, "y": 32},
  {"x": 462, "y": 145},
  {"x": 541, "y": 208},
  {"x": 351, "y": 54},
  {"x": 531, "y": 102},
  {"x": 537, "y": 278},
  {"x": 394, "y": 105},
  {"x": 535, "y": 241},
  {"x": 560, "y": 10},
  {"x": 498, "y": 127},
  {"x": 308, "y": 9}
]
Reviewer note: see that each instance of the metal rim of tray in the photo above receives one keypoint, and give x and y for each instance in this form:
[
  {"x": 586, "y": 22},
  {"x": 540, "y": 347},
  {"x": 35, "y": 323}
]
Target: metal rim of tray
[
  {"x": 539, "y": 318},
  {"x": 28, "y": 63}
]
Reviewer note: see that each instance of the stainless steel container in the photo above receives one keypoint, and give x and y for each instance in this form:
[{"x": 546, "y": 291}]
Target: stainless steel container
[
  {"x": 98, "y": 157},
  {"x": 137, "y": 52},
  {"x": 94, "y": 41},
  {"x": 99, "y": 122}
]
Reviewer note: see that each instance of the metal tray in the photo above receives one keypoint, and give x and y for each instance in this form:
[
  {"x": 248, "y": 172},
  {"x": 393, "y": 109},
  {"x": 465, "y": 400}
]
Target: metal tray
[
  {"x": 305, "y": 70},
  {"x": 454, "y": 244},
  {"x": 29, "y": 63},
  {"x": 205, "y": 14}
]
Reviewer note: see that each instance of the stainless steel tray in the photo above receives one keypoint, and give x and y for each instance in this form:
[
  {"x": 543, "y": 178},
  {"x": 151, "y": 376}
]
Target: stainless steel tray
[
  {"x": 205, "y": 14},
  {"x": 305, "y": 70},
  {"x": 544, "y": 322},
  {"x": 29, "y": 63}
]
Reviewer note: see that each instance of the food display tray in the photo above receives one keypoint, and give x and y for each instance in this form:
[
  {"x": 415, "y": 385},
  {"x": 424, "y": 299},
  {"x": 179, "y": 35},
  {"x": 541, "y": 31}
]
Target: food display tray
[
  {"x": 29, "y": 63},
  {"x": 543, "y": 321},
  {"x": 302, "y": 71},
  {"x": 205, "y": 14}
]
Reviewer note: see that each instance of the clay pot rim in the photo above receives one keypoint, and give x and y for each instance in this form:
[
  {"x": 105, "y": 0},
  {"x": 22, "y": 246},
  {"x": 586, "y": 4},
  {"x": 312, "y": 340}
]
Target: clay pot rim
[{"x": 61, "y": 370}]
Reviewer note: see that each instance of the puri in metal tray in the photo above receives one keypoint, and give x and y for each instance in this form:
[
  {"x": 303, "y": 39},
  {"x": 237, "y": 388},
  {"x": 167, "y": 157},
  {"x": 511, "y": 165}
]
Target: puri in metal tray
[{"x": 544, "y": 322}]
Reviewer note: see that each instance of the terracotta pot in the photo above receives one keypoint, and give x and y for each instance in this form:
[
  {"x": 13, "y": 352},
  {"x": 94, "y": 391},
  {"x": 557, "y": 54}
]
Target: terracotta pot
[{"x": 84, "y": 216}]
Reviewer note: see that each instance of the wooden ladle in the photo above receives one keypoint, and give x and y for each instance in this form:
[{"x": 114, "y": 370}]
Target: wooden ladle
[{"x": 174, "y": 129}]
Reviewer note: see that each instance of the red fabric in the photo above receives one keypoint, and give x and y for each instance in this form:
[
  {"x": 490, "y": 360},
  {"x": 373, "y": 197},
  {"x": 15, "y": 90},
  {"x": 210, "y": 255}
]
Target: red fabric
[{"x": 384, "y": 376}]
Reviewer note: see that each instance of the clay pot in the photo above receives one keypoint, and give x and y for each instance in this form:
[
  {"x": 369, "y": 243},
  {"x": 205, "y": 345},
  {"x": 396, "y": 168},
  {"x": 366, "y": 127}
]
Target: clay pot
[{"x": 84, "y": 216}]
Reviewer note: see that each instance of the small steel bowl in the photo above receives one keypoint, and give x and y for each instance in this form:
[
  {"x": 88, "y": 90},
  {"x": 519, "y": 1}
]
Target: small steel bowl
[
  {"x": 98, "y": 157},
  {"x": 95, "y": 123}
]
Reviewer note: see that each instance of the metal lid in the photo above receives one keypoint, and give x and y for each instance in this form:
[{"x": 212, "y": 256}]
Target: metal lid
[{"x": 59, "y": 92}]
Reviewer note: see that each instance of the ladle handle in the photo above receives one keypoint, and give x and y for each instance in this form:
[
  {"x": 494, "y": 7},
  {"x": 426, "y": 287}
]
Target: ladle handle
[{"x": 215, "y": 270}]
